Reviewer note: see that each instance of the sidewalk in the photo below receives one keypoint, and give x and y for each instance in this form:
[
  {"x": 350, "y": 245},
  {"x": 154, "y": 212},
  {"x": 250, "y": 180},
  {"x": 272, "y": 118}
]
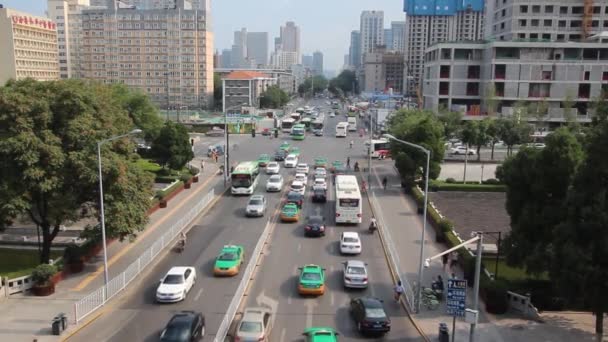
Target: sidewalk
[
  {"x": 398, "y": 214},
  {"x": 26, "y": 317}
]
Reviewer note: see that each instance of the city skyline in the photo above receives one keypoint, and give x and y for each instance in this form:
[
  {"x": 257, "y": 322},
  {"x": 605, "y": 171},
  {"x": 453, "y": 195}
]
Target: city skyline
[{"x": 321, "y": 28}]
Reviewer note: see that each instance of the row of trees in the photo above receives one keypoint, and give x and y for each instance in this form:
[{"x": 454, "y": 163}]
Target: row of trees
[
  {"x": 318, "y": 86},
  {"x": 48, "y": 157},
  {"x": 345, "y": 82},
  {"x": 557, "y": 198},
  {"x": 273, "y": 97}
]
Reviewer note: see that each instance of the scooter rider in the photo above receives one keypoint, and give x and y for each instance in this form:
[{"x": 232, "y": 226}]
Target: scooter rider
[{"x": 373, "y": 225}]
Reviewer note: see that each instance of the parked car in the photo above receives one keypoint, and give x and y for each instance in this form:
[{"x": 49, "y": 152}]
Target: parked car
[
  {"x": 255, "y": 325},
  {"x": 176, "y": 284},
  {"x": 184, "y": 326},
  {"x": 369, "y": 315},
  {"x": 256, "y": 206},
  {"x": 462, "y": 150},
  {"x": 274, "y": 183},
  {"x": 355, "y": 274}
]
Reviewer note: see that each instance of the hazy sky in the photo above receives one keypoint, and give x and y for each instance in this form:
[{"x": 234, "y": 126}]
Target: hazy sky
[{"x": 325, "y": 25}]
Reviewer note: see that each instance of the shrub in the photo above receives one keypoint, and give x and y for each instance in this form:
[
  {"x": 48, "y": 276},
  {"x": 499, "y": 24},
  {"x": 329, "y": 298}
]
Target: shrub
[
  {"x": 445, "y": 225},
  {"x": 491, "y": 181},
  {"x": 164, "y": 179},
  {"x": 185, "y": 177},
  {"x": 194, "y": 171},
  {"x": 43, "y": 273},
  {"x": 160, "y": 195},
  {"x": 450, "y": 180},
  {"x": 495, "y": 296}
]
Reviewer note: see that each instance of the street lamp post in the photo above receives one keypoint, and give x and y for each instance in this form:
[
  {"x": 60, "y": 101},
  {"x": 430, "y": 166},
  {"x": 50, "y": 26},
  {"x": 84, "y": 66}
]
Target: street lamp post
[
  {"x": 101, "y": 207},
  {"x": 424, "y": 219}
]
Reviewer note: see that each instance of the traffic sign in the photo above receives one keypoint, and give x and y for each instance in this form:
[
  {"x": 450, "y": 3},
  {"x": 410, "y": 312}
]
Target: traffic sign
[{"x": 457, "y": 297}]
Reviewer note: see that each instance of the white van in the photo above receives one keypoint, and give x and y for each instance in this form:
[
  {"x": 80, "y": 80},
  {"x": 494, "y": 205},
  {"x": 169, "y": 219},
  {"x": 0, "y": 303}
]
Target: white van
[{"x": 352, "y": 123}]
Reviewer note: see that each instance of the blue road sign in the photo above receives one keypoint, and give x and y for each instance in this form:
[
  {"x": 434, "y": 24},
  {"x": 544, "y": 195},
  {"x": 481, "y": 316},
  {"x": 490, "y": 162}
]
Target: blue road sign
[{"x": 457, "y": 297}]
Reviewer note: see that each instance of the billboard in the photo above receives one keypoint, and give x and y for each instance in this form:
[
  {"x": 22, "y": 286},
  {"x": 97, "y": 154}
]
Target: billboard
[{"x": 441, "y": 7}]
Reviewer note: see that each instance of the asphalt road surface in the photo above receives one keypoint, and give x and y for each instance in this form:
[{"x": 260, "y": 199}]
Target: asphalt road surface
[{"x": 135, "y": 316}]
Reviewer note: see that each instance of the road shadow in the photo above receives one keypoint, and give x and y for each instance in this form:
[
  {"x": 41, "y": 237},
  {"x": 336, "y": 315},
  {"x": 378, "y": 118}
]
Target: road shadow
[
  {"x": 207, "y": 268},
  {"x": 289, "y": 287},
  {"x": 333, "y": 248}
]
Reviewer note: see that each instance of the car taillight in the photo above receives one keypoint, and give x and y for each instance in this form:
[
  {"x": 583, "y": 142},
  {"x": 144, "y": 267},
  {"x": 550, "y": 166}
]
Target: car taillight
[
  {"x": 365, "y": 279},
  {"x": 358, "y": 215},
  {"x": 337, "y": 215}
]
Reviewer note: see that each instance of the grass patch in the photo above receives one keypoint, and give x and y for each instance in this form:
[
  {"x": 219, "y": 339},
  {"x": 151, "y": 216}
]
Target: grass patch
[
  {"x": 509, "y": 273},
  {"x": 20, "y": 262},
  {"x": 443, "y": 186},
  {"x": 148, "y": 165}
]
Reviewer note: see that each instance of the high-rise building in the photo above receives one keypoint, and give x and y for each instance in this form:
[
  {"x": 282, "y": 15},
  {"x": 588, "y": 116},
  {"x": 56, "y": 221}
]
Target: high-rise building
[
  {"x": 226, "y": 58},
  {"x": 388, "y": 38},
  {"x": 217, "y": 60},
  {"x": 307, "y": 60},
  {"x": 257, "y": 47},
  {"x": 372, "y": 31},
  {"x": 555, "y": 20},
  {"x": 163, "y": 4},
  {"x": 239, "y": 48},
  {"x": 29, "y": 47},
  {"x": 290, "y": 38},
  {"x": 167, "y": 53},
  {"x": 317, "y": 63},
  {"x": 433, "y": 21},
  {"x": 383, "y": 70},
  {"x": 398, "y": 36},
  {"x": 354, "y": 50},
  {"x": 284, "y": 59}
]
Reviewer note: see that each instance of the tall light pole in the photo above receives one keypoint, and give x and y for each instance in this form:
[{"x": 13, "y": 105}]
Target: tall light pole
[
  {"x": 101, "y": 209},
  {"x": 426, "y": 194}
]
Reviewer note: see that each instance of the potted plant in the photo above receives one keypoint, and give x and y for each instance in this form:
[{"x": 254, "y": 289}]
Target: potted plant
[
  {"x": 194, "y": 172},
  {"x": 41, "y": 276},
  {"x": 185, "y": 178},
  {"x": 161, "y": 199},
  {"x": 74, "y": 258}
]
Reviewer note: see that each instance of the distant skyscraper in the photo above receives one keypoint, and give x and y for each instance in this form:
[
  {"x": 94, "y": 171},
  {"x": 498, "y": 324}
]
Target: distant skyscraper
[
  {"x": 372, "y": 31},
  {"x": 226, "y": 60},
  {"x": 317, "y": 63},
  {"x": 307, "y": 60},
  {"x": 290, "y": 38},
  {"x": 433, "y": 21},
  {"x": 239, "y": 48},
  {"x": 388, "y": 38},
  {"x": 354, "y": 51},
  {"x": 257, "y": 47},
  {"x": 398, "y": 38}
]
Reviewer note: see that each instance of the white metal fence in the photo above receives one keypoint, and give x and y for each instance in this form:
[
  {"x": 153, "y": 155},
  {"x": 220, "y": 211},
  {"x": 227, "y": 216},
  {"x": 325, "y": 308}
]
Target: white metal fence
[
  {"x": 392, "y": 251},
  {"x": 222, "y": 331},
  {"x": 99, "y": 297}
]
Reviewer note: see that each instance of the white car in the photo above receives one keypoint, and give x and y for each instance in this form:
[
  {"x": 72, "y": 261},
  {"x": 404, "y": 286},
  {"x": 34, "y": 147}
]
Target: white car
[
  {"x": 462, "y": 150},
  {"x": 320, "y": 173},
  {"x": 355, "y": 274},
  {"x": 302, "y": 168},
  {"x": 291, "y": 160},
  {"x": 332, "y": 115},
  {"x": 274, "y": 183},
  {"x": 273, "y": 168},
  {"x": 176, "y": 284},
  {"x": 320, "y": 183},
  {"x": 350, "y": 243},
  {"x": 298, "y": 186},
  {"x": 301, "y": 177}
]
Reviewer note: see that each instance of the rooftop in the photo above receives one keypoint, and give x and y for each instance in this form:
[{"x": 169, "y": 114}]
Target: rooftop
[{"x": 245, "y": 75}]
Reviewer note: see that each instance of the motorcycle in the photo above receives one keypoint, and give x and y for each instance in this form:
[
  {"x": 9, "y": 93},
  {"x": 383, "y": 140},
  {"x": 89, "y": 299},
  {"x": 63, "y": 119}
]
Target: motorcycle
[{"x": 372, "y": 228}]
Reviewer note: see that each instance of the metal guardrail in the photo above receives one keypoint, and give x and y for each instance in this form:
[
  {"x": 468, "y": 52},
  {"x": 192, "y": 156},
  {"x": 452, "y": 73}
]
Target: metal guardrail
[
  {"x": 222, "y": 331},
  {"x": 102, "y": 295},
  {"x": 392, "y": 251}
]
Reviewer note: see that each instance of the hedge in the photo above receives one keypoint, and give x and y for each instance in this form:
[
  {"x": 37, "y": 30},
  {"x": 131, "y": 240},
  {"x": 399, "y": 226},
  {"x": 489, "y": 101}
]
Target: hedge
[{"x": 475, "y": 187}]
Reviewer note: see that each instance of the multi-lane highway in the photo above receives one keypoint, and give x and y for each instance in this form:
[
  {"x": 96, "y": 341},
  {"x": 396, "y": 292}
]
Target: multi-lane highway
[{"x": 135, "y": 316}]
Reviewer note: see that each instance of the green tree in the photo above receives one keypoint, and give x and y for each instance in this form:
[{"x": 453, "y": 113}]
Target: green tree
[
  {"x": 320, "y": 84},
  {"x": 537, "y": 186},
  {"x": 346, "y": 81},
  {"x": 172, "y": 146},
  {"x": 452, "y": 122},
  {"x": 579, "y": 265},
  {"x": 273, "y": 97},
  {"x": 493, "y": 132},
  {"x": 513, "y": 132},
  {"x": 422, "y": 128},
  {"x": 570, "y": 113},
  {"x": 491, "y": 100},
  {"x": 141, "y": 110},
  {"x": 475, "y": 133},
  {"x": 48, "y": 158},
  {"x": 218, "y": 91}
]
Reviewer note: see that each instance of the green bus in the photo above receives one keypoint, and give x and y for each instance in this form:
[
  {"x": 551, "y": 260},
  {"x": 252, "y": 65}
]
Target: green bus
[
  {"x": 298, "y": 132},
  {"x": 306, "y": 122},
  {"x": 245, "y": 178}
]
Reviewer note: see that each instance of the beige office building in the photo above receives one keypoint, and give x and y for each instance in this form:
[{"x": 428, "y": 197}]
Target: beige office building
[{"x": 29, "y": 47}]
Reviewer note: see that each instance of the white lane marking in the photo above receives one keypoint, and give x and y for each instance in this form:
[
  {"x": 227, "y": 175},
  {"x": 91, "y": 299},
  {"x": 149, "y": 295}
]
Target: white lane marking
[
  {"x": 283, "y": 332},
  {"x": 332, "y": 299},
  {"x": 198, "y": 295},
  {"x": 331, "y": 269},
  {"x": 299, "y": 247},
  {"x": 333, "y": 248},
  {"x": 310, "y": 307},
  {"x": 263, "y": 300}
]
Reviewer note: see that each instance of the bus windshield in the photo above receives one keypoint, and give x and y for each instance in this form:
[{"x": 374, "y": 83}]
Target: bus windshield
[
  {"x": 241, "y": 181},
  {"x": 317, "y": 125}
]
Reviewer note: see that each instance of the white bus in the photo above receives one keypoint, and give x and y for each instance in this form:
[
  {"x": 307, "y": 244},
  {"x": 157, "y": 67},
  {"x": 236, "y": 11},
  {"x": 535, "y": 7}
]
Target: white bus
[
  {"x": 245, "y": 178},
  {"x": 378, "y": 145},
  {"x": 287, "y": 124},
  {"x": 296, "y": 116},
  {"x": 348, "y": 200},
  {"x": 352, "y": 124},
  {"x": 342, "y": 129}
]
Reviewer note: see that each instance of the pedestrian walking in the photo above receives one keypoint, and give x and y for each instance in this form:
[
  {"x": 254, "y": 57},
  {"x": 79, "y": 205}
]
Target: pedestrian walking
[
  {"x": 444, "y": 260},
  {"x": 348, "y": 162},
  {"x": 384, "y": 182},
  {"x": 202, "y": 165},
  {"x": 215, "y": 156},
  {"x": 453, "y": 260}
]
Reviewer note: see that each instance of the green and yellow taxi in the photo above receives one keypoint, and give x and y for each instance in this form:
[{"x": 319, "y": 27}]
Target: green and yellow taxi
[
  {"x": 263, "y": 160},
  {"x": 229, "y": 261},
  {"x": 311, "y": 280},
  {"x": 295, "y": 151},
  {"x": 337, "y": 167},
  {"x": 290, "y": 213},
  {"x": 320, "y": 162},
  {"x": 285, "y": 146},
  {"x": 321, "y": 334}
]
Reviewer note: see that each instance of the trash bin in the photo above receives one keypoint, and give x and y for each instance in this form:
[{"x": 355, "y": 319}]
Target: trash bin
[
  {"x": 444, "y": 333},
  {"x": 64, "y": 320},
  {"x": 56, "y": 326}
]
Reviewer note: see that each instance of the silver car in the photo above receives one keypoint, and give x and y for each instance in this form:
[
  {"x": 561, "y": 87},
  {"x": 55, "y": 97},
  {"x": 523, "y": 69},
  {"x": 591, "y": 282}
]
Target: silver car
[
  {"x": 355, "y": 274},
  {"x": 256, "y": 206},
  {"x": 274, "y": 183},
  {"x": 255, "y": 325}
]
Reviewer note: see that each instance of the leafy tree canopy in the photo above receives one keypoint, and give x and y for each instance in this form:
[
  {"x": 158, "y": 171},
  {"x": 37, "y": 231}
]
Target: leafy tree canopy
[
  {"x": 141, "y": 110},
  {"x": 343, "y": 82},
  {"x": 172, "y": 146},
  {"x": 320, "y": 84},
  {"x": 273, "y": 97},
  {"x": 48, "y": 157}
]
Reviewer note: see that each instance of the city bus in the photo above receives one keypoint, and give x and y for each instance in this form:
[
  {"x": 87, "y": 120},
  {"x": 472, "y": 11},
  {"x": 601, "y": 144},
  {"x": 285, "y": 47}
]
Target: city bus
[
  {"x": 306, "y": 122},
  {"x": 352, "y": 124},
  {"x": 287, "y": 125},
  {"x": 342, "y": 129},
  {"x": 245, "y": 178},
  {"x": 378, "y": 145},
  {"x": 300, "y": 110},
  {"x": 317, "y": 125},
  {"x": 348, "y": 200},
  {"x": 298, "y": 132},
  {"x": 296, "y": 116}
]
